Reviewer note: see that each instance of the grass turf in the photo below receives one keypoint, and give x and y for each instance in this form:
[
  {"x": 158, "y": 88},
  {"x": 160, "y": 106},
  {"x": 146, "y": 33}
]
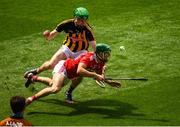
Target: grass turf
[{"x": 149, "y": 30}]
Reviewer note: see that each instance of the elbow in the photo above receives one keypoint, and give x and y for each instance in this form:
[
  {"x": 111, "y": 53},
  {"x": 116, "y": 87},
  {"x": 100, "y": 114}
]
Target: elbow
[{"x": 80, "y": 71}]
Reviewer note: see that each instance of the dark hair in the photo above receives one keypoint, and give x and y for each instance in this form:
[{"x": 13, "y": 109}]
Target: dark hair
[{"x": 17, "y": 104}]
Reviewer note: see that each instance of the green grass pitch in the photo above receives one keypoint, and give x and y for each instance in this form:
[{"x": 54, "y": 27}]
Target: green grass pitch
[{"x": 150, "y": 32}]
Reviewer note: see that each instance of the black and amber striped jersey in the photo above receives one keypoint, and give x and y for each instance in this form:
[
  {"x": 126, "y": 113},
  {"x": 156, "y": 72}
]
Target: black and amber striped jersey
[{"x": 77, "y": 38}]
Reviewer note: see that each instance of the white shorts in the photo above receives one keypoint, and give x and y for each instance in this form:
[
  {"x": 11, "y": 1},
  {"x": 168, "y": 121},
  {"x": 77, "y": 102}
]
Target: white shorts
[
  {"x": 70, "y": 54},
  {"x": 60, "y": 69}
]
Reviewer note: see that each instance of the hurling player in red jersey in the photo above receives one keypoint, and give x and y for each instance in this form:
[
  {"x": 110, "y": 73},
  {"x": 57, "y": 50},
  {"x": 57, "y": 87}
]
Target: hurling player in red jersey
[{"x": 87, "y": 65}]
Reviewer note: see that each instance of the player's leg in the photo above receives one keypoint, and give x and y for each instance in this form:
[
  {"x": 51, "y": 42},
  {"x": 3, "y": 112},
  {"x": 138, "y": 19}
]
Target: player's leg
[
  {"x": 74, "y": 84},
  {"x": 59, "y": 55},
  {"x": 34, "y": 78},
  {"x": 57, "y": 84}
]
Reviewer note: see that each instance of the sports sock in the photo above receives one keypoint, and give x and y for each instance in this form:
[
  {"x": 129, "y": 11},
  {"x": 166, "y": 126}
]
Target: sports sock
[
  {"x": 70, "y": 89},
  {"x": 34, "y": 98}
]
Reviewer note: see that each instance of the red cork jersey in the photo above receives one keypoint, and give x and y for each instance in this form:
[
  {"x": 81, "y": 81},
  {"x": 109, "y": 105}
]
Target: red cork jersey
[{"x": 89, "y": 59}]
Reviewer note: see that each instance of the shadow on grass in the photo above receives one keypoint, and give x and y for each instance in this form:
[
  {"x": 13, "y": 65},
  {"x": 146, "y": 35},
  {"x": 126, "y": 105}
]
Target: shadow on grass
[{"x": 110, "y": 109}]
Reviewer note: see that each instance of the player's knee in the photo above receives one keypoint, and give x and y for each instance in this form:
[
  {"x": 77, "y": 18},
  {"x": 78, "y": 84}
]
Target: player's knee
[
  {"x": 50, "y": 65},
  {"x": 55, "y": 89}
]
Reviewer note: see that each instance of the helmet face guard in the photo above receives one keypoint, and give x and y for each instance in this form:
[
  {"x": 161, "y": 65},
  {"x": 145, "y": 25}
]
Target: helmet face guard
[
  {"x": 103, "y": 52},
  {"x": 103, "y": 56},
  {"x": 81, "y": 13}
]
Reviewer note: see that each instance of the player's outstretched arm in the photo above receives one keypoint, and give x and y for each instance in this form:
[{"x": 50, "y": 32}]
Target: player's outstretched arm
[{"x": 81, "y": 70}]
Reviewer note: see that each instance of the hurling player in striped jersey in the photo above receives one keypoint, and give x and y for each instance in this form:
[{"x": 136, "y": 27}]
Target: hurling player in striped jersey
[{"x": 78, "y": 37}]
